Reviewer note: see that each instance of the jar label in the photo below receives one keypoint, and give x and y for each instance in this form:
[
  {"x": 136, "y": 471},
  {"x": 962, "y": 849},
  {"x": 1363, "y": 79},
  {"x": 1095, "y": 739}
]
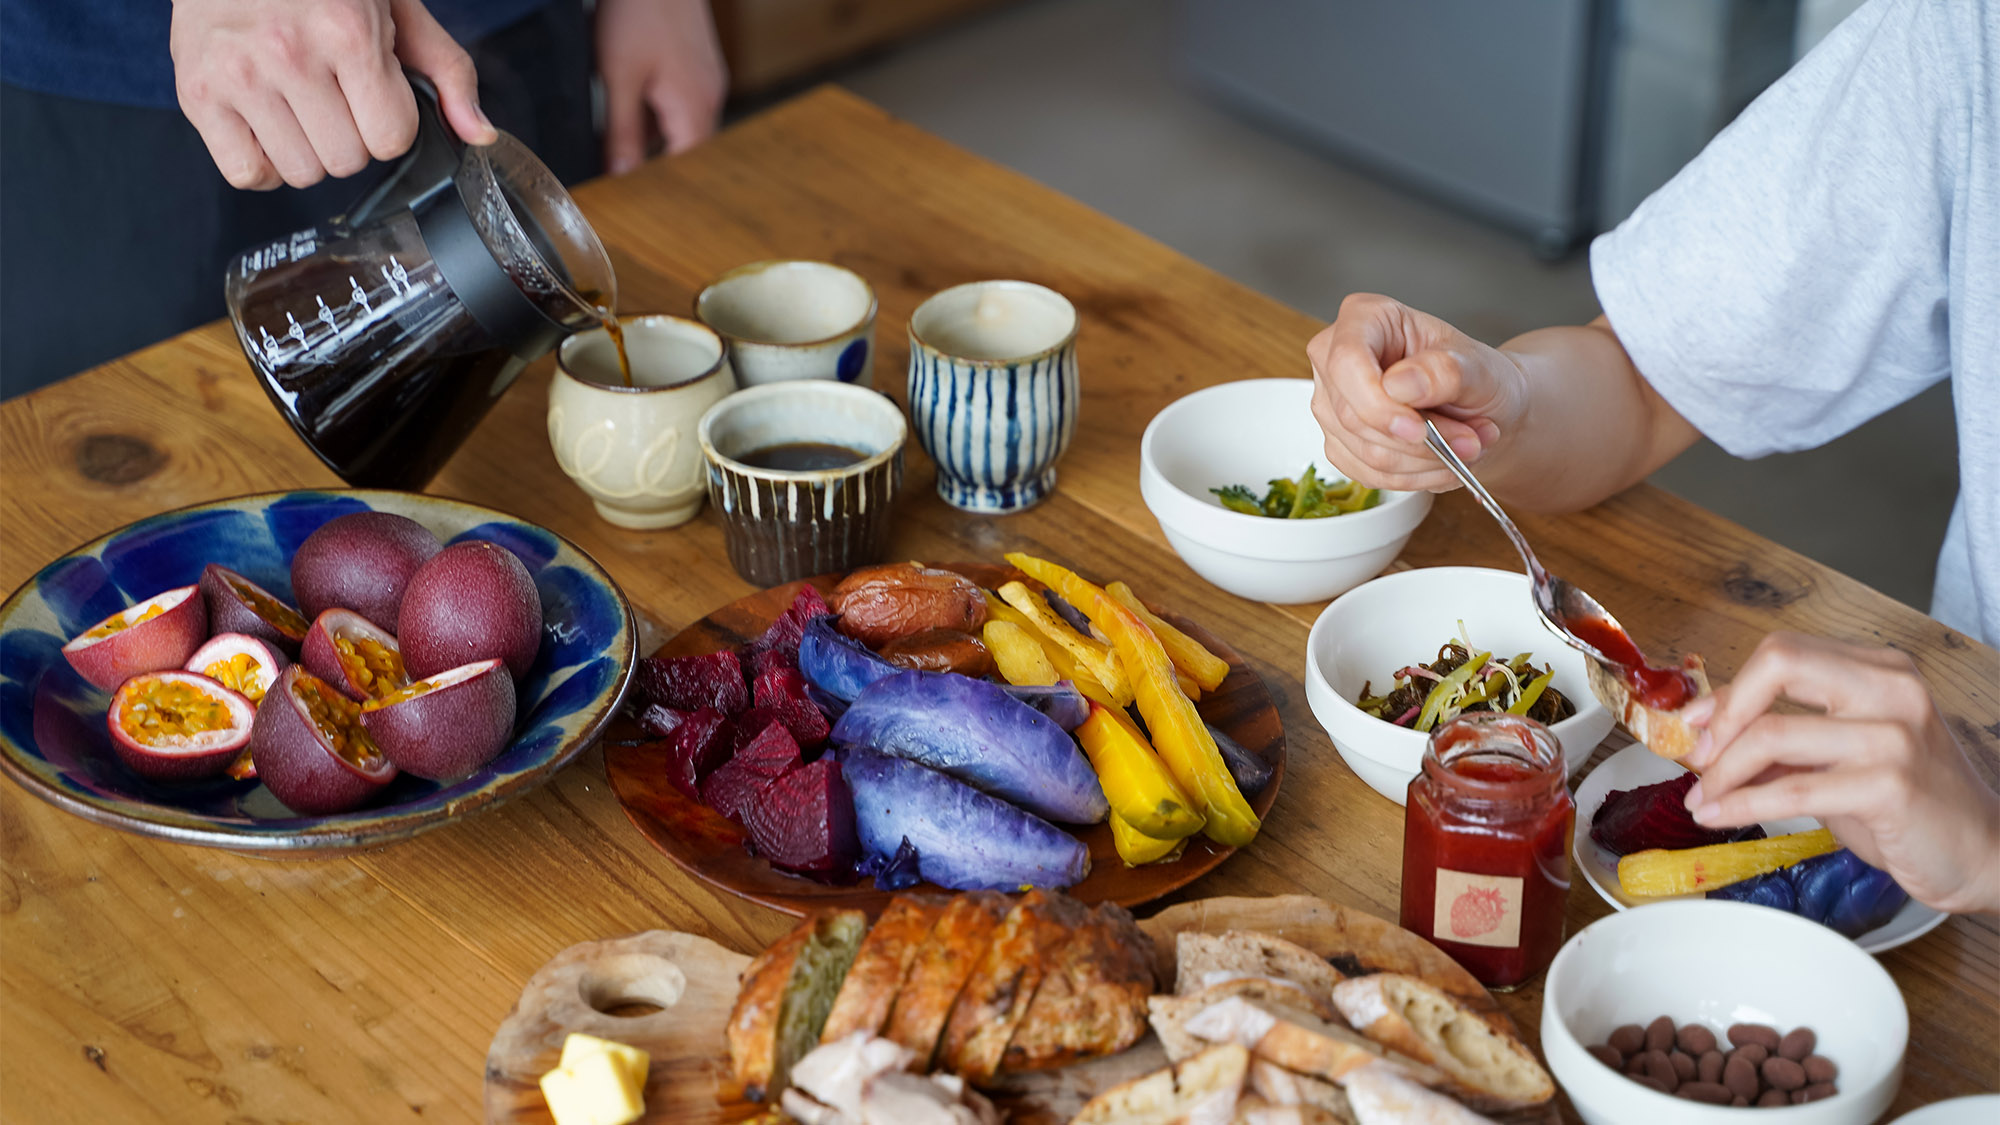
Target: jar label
[{"x": 1478, "y": 909}]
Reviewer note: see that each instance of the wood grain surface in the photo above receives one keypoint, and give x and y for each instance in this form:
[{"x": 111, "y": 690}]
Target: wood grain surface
[
  {"x": 145, "y": 982},
  {"x": 711, "y": 847}
]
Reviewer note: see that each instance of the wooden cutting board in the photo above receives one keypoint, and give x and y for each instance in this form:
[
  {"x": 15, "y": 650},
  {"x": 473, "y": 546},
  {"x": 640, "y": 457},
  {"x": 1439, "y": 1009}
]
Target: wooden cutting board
[{"x": 692, "y": 983}]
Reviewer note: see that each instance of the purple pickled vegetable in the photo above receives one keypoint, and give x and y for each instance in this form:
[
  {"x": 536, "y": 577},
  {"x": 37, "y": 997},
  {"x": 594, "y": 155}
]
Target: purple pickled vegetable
[
  {"x": 1839, "y": 891},
  {"x": 1250, "y": 772},
  {"x": 836, "y": 663},
  {"x": 1060, "y": 701},
  {"x": 963, "y": 839},
  {"x": 828, "y": 705},
  {"x": 977, "y": 733},
  {"x": 893, "y": 872},
  {"x": 1772, "y": 889}
]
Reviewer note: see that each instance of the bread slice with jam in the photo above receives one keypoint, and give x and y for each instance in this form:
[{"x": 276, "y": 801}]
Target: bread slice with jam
[{"x": 1665, "y": 733}]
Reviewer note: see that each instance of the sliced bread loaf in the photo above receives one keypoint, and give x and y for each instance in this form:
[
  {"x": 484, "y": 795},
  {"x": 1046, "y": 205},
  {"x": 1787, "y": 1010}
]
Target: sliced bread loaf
[
  {"x": 1169, "y": 1014},
  {"x": 997, "y": 994},
  {"x": 1092, "y": 999},
  {"x": 1487, "y": 1067},
  {"x": 785, "y": 997},
  {"x": 1195, "y": 1091},
  {"x": 880, "y": 966},
  {"x": 1383, "y": 1095},
  {"x": 949, "y": 955},
  {"x": 1201, "y": 960}
]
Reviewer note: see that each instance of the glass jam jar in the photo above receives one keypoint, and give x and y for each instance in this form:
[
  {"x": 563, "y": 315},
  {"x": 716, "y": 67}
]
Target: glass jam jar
[{"x": 1486, "y": 837}]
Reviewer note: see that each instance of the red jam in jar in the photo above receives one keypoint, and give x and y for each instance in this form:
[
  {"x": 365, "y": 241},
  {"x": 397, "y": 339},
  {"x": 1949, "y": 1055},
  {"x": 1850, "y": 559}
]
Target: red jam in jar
[{"x": 1486, "y": 837}]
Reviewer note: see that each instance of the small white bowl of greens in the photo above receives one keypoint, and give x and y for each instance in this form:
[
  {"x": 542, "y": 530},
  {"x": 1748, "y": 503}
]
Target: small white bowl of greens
[
  {"x": 1402, "y": 622},
  {"x": 1209, "y": 469}
]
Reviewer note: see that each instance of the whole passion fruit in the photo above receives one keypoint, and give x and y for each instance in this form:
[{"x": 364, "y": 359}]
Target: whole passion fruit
[
  {"x": 238, "y": 605},
  {"x": 354, "y": 654},
  {"x": 178, "y": 726},
  {"x": 444, "y": 727},
  {"x": 310, "y": 749},
  {"x": 361, "y": 561},
  {"x": 156, "y": 634},
  {"x": 474, "y": 601}
]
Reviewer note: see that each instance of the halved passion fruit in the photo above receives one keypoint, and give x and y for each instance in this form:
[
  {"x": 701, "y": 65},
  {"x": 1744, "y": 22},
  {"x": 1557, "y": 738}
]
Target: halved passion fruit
[
  {"x": 354, "y": 654},
  {"x": 310, "y": 749},
  {"x": 157, "y": 634},
  {"x": 447, "y": 726},
  {"x": 178, "y": 726},
  {"x": 243, "y": 664},
  {"x": 238, "y": 605}
]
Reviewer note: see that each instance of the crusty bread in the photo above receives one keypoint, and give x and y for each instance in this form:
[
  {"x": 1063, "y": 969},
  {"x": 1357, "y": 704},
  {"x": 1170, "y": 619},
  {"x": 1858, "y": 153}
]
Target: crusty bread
[
  {"x": 1280, "y": 1087},
  {"x": 1296, "y": 1041},
  {"x": 1663, "y": 732},
  {"x": 1169, "y": 1014},
  {"x": 950, "y": 954},
  {"x": 1254, "y": 1110},
  {"x": 1201, "y": 1089},
  {"x": 1383, "y": 1095},
  {"x": 880, "y": 965},
  {"x": 785, "y": 996},
  {"x": 1092, "y": 999},
  {"x": 1201, "y": 959},
  {"x": 997, "y": 994},
  {"x": 1487, "y": 1067}
]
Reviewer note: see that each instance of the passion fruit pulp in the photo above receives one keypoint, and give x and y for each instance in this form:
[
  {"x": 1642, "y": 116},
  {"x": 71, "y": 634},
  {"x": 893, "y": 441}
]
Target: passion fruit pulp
[
  {"x": 447, "y": 726},
  {"x": 361, "y": 561},
  {"x": 243, "y": 664},
  {"x": 157, "y": 634},
  {"x": 474, "y": 601},
  {"x": 311, "y": 750},
  {"x": 178, "y": 726},
  {"x": 352, "y": 653},
  {"x": 238, "y": 605}
]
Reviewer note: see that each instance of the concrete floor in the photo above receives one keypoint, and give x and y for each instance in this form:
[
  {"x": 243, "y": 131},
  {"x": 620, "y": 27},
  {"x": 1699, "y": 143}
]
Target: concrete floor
[{"x": 1083, "y": 96}]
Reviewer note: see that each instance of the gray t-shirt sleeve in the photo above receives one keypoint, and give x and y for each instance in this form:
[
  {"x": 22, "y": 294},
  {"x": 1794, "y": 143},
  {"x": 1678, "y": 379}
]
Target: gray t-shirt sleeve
[{"x": 1791, "y": 282}]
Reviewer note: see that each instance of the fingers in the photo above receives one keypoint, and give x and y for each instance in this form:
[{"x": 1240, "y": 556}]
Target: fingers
[
  {"x": 1805, "y": 741},
  {"x": 1371, "y": 462},
  {"x": 1841, "y": 679},
  {"x": 685, "y": 118},
  {"x": 383, "y": 106},
  {"x": 425, "y": 45},
  {"x": 282, "y": 138},
  {"x": 1826, "y": 794},
  {"x": 234, "y": 148},
  {"x": 321, "y": 110},
  {"x": 625, "y": 126}
]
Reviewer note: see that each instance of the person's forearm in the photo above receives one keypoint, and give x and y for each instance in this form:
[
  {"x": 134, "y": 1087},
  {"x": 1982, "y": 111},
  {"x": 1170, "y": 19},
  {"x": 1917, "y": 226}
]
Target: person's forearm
[{"x": 1591, "y": 425}]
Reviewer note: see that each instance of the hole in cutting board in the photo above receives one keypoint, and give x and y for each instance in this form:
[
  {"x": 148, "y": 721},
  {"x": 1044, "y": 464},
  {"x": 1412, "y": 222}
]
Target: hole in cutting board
[{"x": 632, "y": 985}]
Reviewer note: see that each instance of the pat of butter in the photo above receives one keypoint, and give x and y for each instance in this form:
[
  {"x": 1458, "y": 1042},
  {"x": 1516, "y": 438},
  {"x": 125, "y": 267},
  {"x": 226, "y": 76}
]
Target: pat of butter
[{"x": 597, "y": 1082}]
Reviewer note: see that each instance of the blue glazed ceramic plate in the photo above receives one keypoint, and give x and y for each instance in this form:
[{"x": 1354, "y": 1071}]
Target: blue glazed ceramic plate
[{"x": 53, "y": 740}]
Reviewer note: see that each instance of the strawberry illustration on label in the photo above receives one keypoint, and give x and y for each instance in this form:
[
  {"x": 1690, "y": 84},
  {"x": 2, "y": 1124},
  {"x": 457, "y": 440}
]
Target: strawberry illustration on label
[{"x": 1476, "y": 911}]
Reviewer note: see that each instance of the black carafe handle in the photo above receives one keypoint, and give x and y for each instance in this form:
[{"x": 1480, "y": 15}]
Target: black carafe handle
[{"x": 431, "y": 162}]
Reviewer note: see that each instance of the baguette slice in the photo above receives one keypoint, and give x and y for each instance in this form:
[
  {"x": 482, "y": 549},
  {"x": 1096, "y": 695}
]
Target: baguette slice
[
  {"x": 880, "y": 966},
  {"x": 1280, "y": 1087},
  {"x": 997, "y": 994},
  {"x": 1169, "y": 1014},
  {"x": 1201, "y": 960},
  {"x": 1254, "y": 1110},
  {"x": 1487, "y": 1068},
  {"x": 786, "y": 993},
  {"x": 1195, "y": 1091},
  {"x": 948, "y": 957},
  {"x": 1298, "y": 1042},
  {"x": 1092, "y": 1000},
  {"x": 1663, "y": 732},
  {"x": 1381, "y": 1095}
]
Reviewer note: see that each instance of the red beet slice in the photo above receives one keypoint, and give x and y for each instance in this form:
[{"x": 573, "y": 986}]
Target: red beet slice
[
  {"x": 1656, "y": 816},
  {"x": 783, "y": 691},
  {"x": 806, "y": 722},
  {"x": 661, "y": 722},
  {"x": 784, "y": 634},
  {"x": 732, "y": 789},
  {"x": 697, "y": 748},
  {"x": 689, "y": 683},
  {"x": 804, "y": 823},
  {"x": 768, "y": 661}
]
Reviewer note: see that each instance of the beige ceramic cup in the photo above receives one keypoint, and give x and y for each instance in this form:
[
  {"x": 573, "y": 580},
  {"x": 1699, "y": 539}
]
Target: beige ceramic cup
[
  {"x": 787, "y": 320},
  {"x": 633, "y": 449}
]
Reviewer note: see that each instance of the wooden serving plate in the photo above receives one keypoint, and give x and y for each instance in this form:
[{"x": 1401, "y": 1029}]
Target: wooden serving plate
[
  {"x": 693, "y": 980},
  {"x": 711, "y": 848}
]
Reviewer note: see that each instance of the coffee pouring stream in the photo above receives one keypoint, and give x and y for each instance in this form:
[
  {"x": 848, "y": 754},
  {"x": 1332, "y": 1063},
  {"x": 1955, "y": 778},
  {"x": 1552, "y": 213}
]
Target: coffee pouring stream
[{"x": 384, "y": 335}]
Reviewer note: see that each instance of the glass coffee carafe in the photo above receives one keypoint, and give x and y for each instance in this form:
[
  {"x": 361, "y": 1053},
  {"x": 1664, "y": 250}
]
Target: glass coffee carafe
[{"x": 385, "y": 334}]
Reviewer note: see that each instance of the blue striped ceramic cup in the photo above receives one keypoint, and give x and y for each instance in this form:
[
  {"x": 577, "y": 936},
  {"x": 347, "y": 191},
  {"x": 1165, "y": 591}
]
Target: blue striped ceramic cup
[{"x": 993, "y": 391}]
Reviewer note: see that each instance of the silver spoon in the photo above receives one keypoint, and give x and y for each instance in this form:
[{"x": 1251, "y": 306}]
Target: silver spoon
[{"x": 1556, "y": 602}]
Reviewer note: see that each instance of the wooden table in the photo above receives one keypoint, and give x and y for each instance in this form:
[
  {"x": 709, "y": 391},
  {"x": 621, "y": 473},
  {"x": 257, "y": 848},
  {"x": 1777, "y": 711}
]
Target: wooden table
[{"x": 151, "y": 982}]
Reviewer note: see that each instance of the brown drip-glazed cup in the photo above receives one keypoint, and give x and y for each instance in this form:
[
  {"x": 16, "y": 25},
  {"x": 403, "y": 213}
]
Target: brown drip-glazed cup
[{"x": 785, "y": 524}]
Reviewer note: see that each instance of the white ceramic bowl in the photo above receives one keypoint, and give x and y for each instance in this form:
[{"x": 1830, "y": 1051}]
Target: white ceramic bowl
[
  {"x": 1248, "y": 433},
  {"x": 1403, "y": 619},
  {"x": 1720, "y": 963}
]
